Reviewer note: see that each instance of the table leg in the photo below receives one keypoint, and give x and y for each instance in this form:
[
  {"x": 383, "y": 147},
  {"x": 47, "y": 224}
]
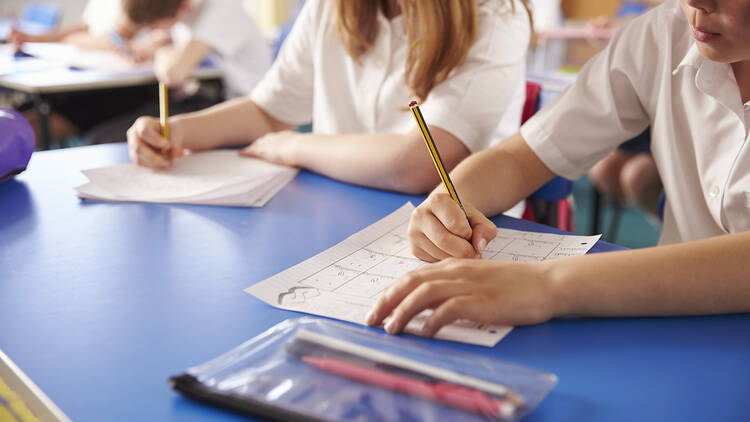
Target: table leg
[{"x": 596, "y": 210}]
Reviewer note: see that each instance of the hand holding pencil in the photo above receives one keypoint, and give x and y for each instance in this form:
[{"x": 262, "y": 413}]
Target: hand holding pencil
[
  {"x": 468, "y": 230},
  {"x": 149, "y": 140}
]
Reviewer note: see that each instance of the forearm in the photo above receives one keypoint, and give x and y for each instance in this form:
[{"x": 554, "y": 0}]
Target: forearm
[
  {"x": 397, "y": 162},
  {"x": 58, "y": 35},
  {"x": 174, "y": 66},
  {"x": 363, "y": 159},
  {"x": 496, "y": 179},
  {"x": 82, "y": 38},
  {"x": 702, "y": 277},
  {"x": 85, "y": 40},
  {"x": 232, "y": 123}
]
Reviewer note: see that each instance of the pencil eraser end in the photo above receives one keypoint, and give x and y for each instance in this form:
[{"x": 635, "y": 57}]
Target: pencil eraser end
[{"x": 413, "y": 104}]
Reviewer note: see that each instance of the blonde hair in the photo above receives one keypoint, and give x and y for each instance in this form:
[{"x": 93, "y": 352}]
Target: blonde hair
[{"x": 439, "y": 33}]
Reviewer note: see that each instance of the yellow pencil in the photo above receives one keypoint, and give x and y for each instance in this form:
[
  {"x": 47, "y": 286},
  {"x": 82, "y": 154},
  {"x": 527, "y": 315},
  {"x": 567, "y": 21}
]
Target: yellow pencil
[
  {"x": 414, "y": 107},
  {"x": 163, "y": 111}
]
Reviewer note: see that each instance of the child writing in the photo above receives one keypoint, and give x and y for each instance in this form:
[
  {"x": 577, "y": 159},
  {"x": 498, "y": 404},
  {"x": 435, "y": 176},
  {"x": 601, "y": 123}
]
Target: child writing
[
  {"x": 196, "y": 28},
  {"x": 352, "y": 66},
  {"x": 103, "y": 26},
  {"x": 683, "y": 68}
]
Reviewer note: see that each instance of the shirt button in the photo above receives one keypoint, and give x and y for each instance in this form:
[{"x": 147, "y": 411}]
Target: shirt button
[{"x": 714, "y": 192}]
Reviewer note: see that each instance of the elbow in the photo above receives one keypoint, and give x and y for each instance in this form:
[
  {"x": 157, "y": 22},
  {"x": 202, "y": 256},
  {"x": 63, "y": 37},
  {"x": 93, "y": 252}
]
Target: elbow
[
  {"x": 415, "y": 179},
  {"x": 415, "y": 173}
]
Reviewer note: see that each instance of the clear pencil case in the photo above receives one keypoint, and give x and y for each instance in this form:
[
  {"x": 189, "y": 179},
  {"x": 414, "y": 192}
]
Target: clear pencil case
[{"x": 318, "y": 370}]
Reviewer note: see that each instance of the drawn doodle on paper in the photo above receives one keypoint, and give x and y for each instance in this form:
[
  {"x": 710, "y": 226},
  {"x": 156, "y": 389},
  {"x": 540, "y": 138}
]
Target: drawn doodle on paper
[{"x": 297, "y": 295}]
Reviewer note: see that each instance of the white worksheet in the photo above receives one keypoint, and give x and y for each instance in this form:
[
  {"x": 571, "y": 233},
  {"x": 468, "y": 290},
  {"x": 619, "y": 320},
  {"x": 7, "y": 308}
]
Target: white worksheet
[
  {"x": 218, "y": 177},
  {"x": 345, "y": 281}
]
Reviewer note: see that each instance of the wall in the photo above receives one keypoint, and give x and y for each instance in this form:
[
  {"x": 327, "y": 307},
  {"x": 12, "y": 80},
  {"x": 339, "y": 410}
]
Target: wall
[{"x": 587, "y": 9}]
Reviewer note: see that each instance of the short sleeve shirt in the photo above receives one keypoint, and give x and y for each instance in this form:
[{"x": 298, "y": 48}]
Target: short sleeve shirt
[
  {"x": 101, "y": 16},
  {"x": 231, "y": 32},
  {"x": 652, "y": 73},
  {"x": 315, "y": 79}
]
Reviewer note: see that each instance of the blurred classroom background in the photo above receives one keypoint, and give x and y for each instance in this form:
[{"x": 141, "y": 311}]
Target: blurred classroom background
[
  {"x": 268, "y": 13},
  {"x": 642, "y": 227}
]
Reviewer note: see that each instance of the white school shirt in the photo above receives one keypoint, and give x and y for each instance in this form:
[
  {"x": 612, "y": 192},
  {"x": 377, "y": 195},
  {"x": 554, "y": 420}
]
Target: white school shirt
[
  {"x": 232, "y": 33},
  {"x": 653, "y": 74},
  {"x": 101, "y": 16},
  {"x": 224, "y": 25},
  {"x": 315, "y": 79}
]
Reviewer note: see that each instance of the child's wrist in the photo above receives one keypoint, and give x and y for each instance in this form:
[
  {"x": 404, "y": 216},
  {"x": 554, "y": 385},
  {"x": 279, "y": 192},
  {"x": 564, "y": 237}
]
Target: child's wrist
[
  {"x": 560, "y": 286},
  {"x": 297, "y": 149},
  {"x": 177, "y": 133}
]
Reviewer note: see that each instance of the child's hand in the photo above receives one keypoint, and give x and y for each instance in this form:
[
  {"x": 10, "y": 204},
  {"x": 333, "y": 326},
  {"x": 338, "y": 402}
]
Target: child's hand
[
  {"x": 145, "y": 47},
  {"x": 276, "y": 147},
  {"x": 488, "y": 292},
  {"x": 18, "y": 38},
  {"x": 438, "y": 229},
  {"x": 149, "y": 148}
]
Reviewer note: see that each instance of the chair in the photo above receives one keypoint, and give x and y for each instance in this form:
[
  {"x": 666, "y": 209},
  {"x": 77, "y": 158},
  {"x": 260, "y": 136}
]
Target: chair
[{"x": 549, "y": 204}]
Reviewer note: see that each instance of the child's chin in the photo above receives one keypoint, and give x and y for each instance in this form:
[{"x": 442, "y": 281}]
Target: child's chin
[{"x": 713, "y": 53}]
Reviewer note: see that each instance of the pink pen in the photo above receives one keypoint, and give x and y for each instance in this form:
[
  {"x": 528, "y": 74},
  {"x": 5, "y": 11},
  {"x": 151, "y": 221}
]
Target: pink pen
[{"x": 442, "y": 392}]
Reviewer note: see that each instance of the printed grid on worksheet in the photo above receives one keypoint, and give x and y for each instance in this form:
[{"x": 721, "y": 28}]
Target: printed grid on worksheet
[{"x": 370, "y": 270}]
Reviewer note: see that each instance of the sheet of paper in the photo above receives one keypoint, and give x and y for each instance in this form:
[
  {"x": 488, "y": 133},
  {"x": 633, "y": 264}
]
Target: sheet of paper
[
  {"x": 344, "y": 281},
  {"x": 10, "y": 65},
  {"x": 219, "y": 177},
  {"x": 71, "y": 55}
]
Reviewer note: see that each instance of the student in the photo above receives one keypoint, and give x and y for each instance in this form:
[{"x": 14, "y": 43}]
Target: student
[
  {"x": 197, "y": 28},
  {"x": 683, "y": 68},
  {"x": 102, "y": 27},
  {"x": 352, "y": 67}
]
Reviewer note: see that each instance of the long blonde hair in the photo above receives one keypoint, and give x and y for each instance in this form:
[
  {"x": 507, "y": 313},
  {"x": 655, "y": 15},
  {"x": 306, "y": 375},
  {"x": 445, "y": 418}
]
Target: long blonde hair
[{"x": 439, "y": 33}]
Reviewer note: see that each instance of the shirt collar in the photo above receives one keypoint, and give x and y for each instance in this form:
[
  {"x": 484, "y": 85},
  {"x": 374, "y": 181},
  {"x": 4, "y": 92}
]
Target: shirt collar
[
  {"x": 693, "y": 58},
  {"x": 714, "y": 79}
]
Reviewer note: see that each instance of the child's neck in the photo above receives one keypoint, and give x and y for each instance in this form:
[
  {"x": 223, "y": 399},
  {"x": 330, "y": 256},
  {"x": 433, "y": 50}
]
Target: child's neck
[{"x": 742, "y": 75}]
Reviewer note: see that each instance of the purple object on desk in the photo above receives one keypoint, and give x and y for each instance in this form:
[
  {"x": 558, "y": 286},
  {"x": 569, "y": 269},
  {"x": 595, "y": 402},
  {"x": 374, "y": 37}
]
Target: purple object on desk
[{"x": 16, "y": 143}]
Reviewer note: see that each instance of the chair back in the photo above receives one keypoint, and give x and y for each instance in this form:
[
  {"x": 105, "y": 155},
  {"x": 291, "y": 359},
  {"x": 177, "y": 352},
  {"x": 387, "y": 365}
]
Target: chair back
[{"x": 557, "y": 188}]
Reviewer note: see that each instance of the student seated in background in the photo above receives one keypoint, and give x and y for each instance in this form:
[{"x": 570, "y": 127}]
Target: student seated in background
[
  {"x": 177, "y": 35},
  {"x": 103, "y": 27},
  {"x": 629, "y": 173},
  {"x": 683, "y": 68},
  {"x": 196, "y": 28},
  {"x": 352, "y": 67},
  {"x": 199, "y": 27}
]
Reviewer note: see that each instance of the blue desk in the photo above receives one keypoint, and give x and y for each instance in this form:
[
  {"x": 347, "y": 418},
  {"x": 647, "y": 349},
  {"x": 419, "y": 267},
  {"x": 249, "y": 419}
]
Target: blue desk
[{"x": 100, "y": 303}]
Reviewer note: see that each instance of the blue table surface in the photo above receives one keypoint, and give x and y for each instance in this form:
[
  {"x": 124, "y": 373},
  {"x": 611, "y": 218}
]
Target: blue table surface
[{"x": 100, "y": 303}]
